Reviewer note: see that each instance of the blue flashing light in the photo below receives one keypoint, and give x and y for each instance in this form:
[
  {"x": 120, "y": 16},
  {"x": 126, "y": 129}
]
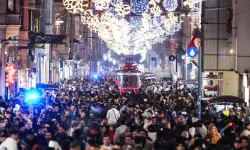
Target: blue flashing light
[
  {"x": 95, "y": 76},
  {"x": 32, "y": 96}
]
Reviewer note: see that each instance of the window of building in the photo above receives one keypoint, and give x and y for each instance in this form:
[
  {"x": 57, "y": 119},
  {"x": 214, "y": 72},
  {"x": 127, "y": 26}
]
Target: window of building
[{"x": 11, "y": 5}]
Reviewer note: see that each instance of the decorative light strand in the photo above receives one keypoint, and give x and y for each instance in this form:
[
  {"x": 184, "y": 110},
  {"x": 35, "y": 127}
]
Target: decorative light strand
[
  {"x": 170, "y": 5},
  {"x": 139, "y": 6},
  {"x": 125, "y": 36}
]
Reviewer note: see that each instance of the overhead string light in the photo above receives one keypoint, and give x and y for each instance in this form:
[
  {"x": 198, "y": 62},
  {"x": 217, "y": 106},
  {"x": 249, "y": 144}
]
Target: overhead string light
[
  {"x": 170, "y": 5},
  {"x": 139, "y": 6},
  {"x": 127, "y": 36},
  {"x": 76, "y": 6}
]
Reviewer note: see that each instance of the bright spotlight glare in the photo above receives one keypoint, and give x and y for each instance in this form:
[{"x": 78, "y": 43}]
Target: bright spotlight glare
[
  {"x": 32, "y": 96},
  {"x": 231, "y": 51},
  {"x": 183, "y": 57},
  {"x": 95, "y": 76}
]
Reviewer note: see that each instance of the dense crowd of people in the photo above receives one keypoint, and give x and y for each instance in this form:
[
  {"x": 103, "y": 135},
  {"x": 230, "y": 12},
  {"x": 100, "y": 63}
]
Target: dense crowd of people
[{"x": 98, "y": 117}]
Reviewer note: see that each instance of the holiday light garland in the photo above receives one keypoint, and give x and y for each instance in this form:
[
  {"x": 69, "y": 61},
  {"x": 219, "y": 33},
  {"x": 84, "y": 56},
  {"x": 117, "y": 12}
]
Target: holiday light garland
[
  {"x": 170, "y": 5},
  {"x": 76, "y": 6},
  {"x": 190, "y": 3},
  {"x": 135, "y": 35},
  {"x": 139, "y": 6}
]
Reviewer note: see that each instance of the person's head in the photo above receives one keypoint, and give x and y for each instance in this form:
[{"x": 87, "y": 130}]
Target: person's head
[
  {"x": 127, "y": 132},
  {"x": 73, "y": 108},
  {"x": 31, "y": 116},
  {"x": 76, "y": 145},
  {"x": 213, "y": 129},
  {"x": 185, "y": 134},
  {"x": 6, "y": 121},
  {"x": 7, "y": 115},
  {"x": 56, "y": 108},
  {"x": 143, "y": 133},
  {"x": 83, "y": 114},
  {"x": 135, "y": 133},
  {"x": 14, "y": 135},
  {"x": 61, "y": 130},
  {"x": 48, "y": 136},
  {"x": 106, "y": 140},
  {"x": 248, "y": 126},
  {"x": 164, "y": 121},
  {"x": 3, "y": 136},
  {"x": 237, "y": 143},
  {"x": 21, "y": 126},
  {"x": 129, "y": 140},
  {"x": 244, "y": 142},
  {"x": 67, "y": 112},
  {"x": 180, "y": 147},
  {"x": 82, "y": 123},
  {"x": 44, "y": 116},
  {"x": 28, "y": 126},
  {"x": 30, "y": 135},
  {"x": 18, "y": 113}
]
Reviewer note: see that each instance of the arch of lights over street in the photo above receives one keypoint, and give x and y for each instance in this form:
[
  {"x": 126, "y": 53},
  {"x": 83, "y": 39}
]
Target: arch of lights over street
[{"x": 128, "y": 29}]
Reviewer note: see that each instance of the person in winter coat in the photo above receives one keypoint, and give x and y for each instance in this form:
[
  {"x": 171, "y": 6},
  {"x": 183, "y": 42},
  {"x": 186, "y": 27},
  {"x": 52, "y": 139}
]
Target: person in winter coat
[
  {"x": 113, "y": 115},
  {"x": 215, "y": 135},
  {"x": 246, "y": 132},
  {"x": 11, "y": 142}
]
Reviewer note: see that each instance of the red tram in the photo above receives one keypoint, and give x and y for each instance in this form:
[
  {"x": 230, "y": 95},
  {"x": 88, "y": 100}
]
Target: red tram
[{"x": 128, "y": 79}]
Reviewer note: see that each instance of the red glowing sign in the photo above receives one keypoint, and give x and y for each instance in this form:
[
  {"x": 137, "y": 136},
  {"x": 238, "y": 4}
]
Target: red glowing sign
[{"x": 10, "y": 75}]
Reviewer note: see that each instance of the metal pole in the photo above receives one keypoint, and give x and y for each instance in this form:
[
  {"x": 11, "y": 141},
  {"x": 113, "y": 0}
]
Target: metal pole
[
  {"x": 50, "y": 63},
  {"x": 155, "y": 64},
  {"x": 176, "y": 69},
  {"x": 199, "y": 83},
  {"x": 202, "y": 8},
  {"x": 2, "y": 78}
]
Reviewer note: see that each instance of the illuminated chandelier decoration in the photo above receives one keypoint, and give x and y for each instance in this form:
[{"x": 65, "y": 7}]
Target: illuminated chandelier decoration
[
  {"x": 135, "y": 35},
  {"x": 140, "y": 6},
  {"x": 192, "y": 4},
  {"x": 170, "y": 5}
]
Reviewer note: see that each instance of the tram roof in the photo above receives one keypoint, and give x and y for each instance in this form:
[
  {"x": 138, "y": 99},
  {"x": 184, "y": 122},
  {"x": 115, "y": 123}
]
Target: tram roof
[{"x": 130, "y": 71}]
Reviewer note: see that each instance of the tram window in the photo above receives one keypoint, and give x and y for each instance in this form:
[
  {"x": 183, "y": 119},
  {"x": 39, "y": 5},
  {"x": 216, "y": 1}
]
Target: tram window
[{"x": 130, "y": 81}]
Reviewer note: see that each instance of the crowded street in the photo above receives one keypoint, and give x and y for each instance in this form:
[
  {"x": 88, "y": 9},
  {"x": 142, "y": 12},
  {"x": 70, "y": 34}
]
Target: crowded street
[
  {"x": 99, "y": 117},
  {"x": 124, "y": 75}
]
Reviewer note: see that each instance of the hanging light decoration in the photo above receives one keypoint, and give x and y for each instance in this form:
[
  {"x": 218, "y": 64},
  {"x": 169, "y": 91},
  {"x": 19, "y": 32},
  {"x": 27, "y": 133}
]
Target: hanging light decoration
[
  {"x": 76, "y": 6},
  {"x": 135, "y": 35},
  {"x": 170, "y": 5},
  {"x": 195, "y": 12},
  {"x": 139, "y": 6},
  {"x": 101, "y": 4},
  {"x": 190, "y": 3}
]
